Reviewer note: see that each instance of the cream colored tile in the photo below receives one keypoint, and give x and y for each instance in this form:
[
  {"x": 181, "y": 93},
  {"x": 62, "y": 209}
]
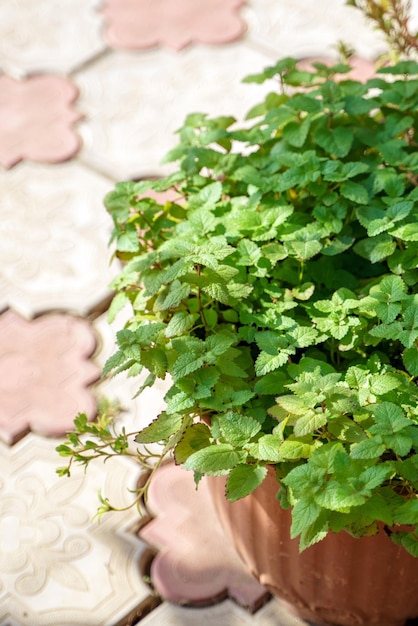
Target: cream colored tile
[
  {"x": 134, "y": 103},
  {"x": 50, "y": 36},
  {"x": 306, "y": 28},
  {"x": 55, "y": 232},
  {"x": 226, "y": 614},
  {"x": 58, "y": 566}
]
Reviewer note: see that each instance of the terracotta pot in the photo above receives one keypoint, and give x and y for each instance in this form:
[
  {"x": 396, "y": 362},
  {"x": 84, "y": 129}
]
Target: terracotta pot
[{"x": 340, "y": 581}]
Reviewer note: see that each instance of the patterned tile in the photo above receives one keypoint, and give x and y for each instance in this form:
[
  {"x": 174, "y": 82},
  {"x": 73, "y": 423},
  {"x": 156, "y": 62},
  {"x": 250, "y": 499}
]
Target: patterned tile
[
  {"x": 54, "y": 233},
  {"x": 173, "y": 23},
  {"x": 227, "y": 614},
  {"x": 196, "y": 563},
  {"x": 44, "y": 374},
  {"x": 36, "y": 120},
  {"x": 296, "y": 28},
  {"x": 38, "y": 36},
  {"x": 151, "y": 94},
  {"x": 59, "y": 567}
]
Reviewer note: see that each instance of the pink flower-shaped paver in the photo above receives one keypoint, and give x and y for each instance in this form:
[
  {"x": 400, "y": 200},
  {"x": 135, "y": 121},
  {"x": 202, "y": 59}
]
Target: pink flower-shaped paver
[
  {"x": 44, "y": 374},
  {"x": 136, "y": 24},
  {"x": 36, "y": 119},
  {"x": 196, "y": 564}
]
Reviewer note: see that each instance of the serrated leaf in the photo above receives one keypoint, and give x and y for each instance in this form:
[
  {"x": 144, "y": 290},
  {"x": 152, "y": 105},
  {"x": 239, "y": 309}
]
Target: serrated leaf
[
  {"x": 214, "y": 460},
  {"x": 171, "y": 296},
  {"x": 160, "y": 429},
  {"x": 304, "y": 514},
  {"x": 180, "y": 323},
  {"x": 354, "y": 192},
  {"x": 266, "y": 448},
  {"x": 295, "y": 450},
  {"x": 266, "y": 363},
  {"x": 410, "y": 360},
  {"x": 185, "y": 365},
  {"x": 337, "y": 496},
  {"x": 368, "y": 449},
  {"x": 243, "y": 480},
  {"x": 309, "y": 423},
  {"x": 236, "y": 428},
  {"x": 336, "y": 141},
  {"x": 376, "y": 248},
  {"x": 196, "y": 437}
]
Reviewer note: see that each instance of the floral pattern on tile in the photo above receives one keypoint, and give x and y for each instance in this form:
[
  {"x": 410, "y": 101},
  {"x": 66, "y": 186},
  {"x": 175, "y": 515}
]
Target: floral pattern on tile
[
  {"x": 45, "y": 372},
  {"x": 38, "y": 36},
  {"x": 54, "y": 233},
  {"x": 135, "y": 24},
  {"x": 36, "y": 119},
  {"x": 58, "y": 566},
  {"x": 196, "y": 563}
]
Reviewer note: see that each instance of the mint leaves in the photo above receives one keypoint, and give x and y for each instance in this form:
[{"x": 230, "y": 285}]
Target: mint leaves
[{"x": 277, "y": 291}]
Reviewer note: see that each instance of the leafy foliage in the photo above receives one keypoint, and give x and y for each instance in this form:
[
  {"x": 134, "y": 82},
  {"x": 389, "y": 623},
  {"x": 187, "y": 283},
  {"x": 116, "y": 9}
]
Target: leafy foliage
[{"x": 278, "y": 292}]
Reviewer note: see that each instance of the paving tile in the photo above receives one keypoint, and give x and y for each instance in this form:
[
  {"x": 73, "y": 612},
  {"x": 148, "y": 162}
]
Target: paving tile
[
  {"x": 173, "y": 23},
  {"x": 45, "y": 372},
  {"x": 36, "y": 119},
  {"x": 150, "y": 94},
  {"x": 38, "y": 36},
  {"x": 296, "y": 28},
  {"x": 54, "y": 232},
  {"x": 196, "y": 564},
  {"x": 58, "y": 566},
  {"x": 226, "y": 614}
]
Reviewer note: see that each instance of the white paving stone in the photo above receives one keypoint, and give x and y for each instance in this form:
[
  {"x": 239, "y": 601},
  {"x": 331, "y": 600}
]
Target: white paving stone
[
  {"x": 58, "y": 566},
  {"x": 54, "y": 232},
  {"x": 43, "y": 35},
  {"x": 304, "y": 28},
  {"x": 134, "y": 103}
]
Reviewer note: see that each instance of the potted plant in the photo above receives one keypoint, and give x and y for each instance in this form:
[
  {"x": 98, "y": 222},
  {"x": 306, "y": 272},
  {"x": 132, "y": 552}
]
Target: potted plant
[{"x": 277, "y": 291}]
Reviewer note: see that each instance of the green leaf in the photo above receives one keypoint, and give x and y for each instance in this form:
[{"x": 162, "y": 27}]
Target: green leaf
[
  {"x": 243, "y": 480},
  {"x": 337, "y": 496},
  {"x": 309, "y": 423},
  {"x": 214, "y": 460},
  {"x": 410, "y": 360},
  {"x": 160, "y": 429},
  {"x": 295, "y": 450},
  {"x": 354, "y": 192},
  {"x": 196, "y": 437},
  {"x": 368, "y": 449},
  {"x": 336, "y": 141},
  {"x": 266, "y": 448},
  {"x": 236, "y": 428},
  {"x": 171, "y": 296},
  {"x": 180, "y": 323},
  {"x": 266, "y": 363},
  {"x": 304, "y": 514},
  {"x": 185, "y": 365},
  {"x": 376, "y": 248}
]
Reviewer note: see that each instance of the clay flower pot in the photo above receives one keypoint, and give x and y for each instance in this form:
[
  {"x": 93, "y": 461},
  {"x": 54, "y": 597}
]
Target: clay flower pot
[{"x": 340, "y": 581}]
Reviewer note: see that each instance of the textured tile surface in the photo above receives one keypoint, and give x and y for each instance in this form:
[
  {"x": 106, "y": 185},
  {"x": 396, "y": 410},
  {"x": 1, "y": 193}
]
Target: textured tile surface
[
  {"x": 36, "y": 120},
  {"x": 54, "y": 232},
  {"x": 58, "y": 567},
  {"x": 151, "y": 95},
  {"x": 297, "y": 28},
  {"x": 173, "y": 23},
  {"x": 44, "y": 374},
  {"x": 196, "y": 563},
  {"x": 53, "y": 37}
]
